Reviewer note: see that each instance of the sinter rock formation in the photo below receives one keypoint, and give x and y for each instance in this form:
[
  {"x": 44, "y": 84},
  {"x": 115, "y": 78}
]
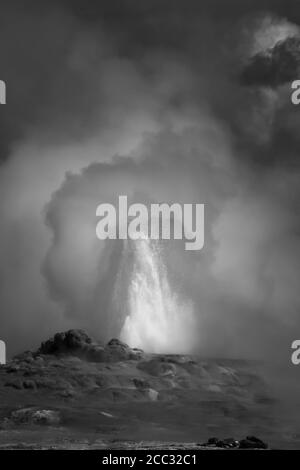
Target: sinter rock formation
[{"x": 73, "y": 388}]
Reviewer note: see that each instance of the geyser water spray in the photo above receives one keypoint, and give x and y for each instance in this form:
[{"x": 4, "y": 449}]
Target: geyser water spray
[{"x": 155, "y": 319}]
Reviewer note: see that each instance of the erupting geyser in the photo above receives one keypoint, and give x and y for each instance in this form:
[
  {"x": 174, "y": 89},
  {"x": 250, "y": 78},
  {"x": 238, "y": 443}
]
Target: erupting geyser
[{"x": 155, "y": 319}]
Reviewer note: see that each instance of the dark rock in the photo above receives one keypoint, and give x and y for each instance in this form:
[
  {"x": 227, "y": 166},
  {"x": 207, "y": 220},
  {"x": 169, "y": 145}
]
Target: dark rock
[
  {"x": 33, "y": 416},
  {"x": 222, "y": 444},
  {"x": 212, "y": 441},
  {"x": 230, "y": 442},
  {"x": 28, "y": 384},
  {"x": 78, "y": 343},
  {"x": 116, "y": 350},
  {"x": 141, "y": 384},
  {"x": 252, "y": 442},
  {"x": 12, "y": 368},
  {"x": 117, "y": 343},
  {"x": 73, "y": 342},
  {"x": 66, "y": 342}
]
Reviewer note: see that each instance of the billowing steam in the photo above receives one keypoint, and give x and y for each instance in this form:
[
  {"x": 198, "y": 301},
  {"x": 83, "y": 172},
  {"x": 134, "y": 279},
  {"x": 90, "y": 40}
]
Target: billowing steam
[{"x": 136, "y": 290}]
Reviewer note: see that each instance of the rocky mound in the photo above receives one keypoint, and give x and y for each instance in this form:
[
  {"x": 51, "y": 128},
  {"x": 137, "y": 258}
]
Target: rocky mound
[
  {"x": 71, "y": 341},
  {"x": 72, "y": 363},
  {"x": 251, "y": 442},
  {"x": 78, "y": 343},
  {"x": 31, "y": 415},
  {"x": 74, "y": 383}
]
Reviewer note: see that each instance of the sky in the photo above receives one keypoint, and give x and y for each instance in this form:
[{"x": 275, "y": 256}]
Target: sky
[{"x": 180, "y": 101}]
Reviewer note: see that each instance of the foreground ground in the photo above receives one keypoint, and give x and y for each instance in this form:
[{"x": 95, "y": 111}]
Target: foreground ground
[{"x": 115, "y": 397}]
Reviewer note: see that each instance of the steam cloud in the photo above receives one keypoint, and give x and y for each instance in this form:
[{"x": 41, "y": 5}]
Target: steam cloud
[{"x": 101, "y": 106}]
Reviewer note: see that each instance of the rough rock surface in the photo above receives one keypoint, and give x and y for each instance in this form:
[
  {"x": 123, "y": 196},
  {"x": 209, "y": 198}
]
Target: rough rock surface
[
  {"x": 251, "y": 442},
  {"x": 34, "y": 416},
  {"x": 85, "y": 389},
  {"x": 79, "y": 343}
]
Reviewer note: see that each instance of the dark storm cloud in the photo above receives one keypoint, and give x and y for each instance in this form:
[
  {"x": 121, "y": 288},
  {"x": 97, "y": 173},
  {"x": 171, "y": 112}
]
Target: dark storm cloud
[
  {"x": 48, "y": 91},
  {"x": 274, "y": 67}
]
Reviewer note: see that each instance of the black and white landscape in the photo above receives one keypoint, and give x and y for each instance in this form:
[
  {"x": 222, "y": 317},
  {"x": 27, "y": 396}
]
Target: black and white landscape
[{"x": 124, "y": 343}]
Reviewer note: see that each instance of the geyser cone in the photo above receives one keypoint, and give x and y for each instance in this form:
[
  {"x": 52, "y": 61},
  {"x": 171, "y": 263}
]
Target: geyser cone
[{"x": 155, "y": 319}]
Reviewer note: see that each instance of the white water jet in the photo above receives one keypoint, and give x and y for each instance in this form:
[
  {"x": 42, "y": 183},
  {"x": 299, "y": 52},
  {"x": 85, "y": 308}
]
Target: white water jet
[{"x": 155, "y": 319}]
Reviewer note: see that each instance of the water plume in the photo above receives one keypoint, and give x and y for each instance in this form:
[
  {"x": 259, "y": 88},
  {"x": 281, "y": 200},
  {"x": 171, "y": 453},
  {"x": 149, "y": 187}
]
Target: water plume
[{"x": 155, "y": 319}]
